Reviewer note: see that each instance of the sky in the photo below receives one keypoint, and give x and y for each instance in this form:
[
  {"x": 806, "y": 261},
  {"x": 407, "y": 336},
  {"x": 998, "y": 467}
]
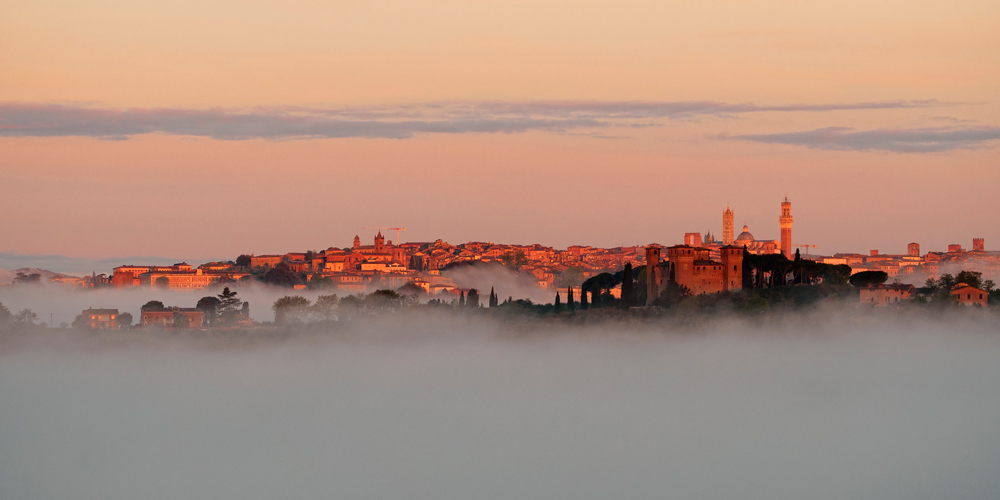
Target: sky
[{"x": 203, "y": 130}]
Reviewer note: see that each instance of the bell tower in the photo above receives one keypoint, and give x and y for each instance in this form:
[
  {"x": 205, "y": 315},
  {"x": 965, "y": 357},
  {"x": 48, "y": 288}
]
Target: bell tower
[
  {"x": 786, "y": 227},
  {"x": 727, "y": 226}
]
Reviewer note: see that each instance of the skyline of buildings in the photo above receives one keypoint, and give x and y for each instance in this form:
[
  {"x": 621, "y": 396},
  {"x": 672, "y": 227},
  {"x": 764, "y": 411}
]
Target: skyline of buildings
[{"x": 359, "y": 268}]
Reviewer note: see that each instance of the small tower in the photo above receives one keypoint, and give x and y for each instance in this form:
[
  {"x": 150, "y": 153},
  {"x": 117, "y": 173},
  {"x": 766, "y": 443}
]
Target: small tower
[
  {"x": 786, "y": 228},
  {"x": 913, "y": 249},
  {"x": 379, "y": 242},
  {"x": 732, "y": 267},
  {"x": 357, "y": 242},
  {"x": 727, "y": 226},
  {"x": 978, "y": 245}
]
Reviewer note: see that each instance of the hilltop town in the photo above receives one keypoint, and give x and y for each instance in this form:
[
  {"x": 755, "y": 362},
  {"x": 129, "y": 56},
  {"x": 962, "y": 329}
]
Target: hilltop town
[
  {"x": 386, "y": 264},
  {"x": 651, "y": 275}
]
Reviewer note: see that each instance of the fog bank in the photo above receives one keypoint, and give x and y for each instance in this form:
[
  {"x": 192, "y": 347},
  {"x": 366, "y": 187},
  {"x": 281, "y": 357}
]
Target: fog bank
[{"x": 444, "y": 407}]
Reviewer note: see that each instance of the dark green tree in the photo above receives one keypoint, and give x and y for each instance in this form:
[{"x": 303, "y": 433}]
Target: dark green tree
[
  {"x": 569, "y": 299},
  {"x": 229, "y": 308},
  {"x": 628, "y": 287},
  {"x": 210, "y": 307},
  {"x": 243, "y": 261},
  {"x": 153, "y": 304},
  {"x": 125, "y": 320},
  {"x": 797, "y": 256},
  {"x": 181, "y": 319},
  {"x": 325, "y": 308},
  {"x": 472, "y": 301},
  {"x": 290, "y": 310},
  {"x": 583, "y": 300},
  {"x": 25, "y": 317},
  {"x": 971, "y": 278},
  {"x": 5, "y": 315},
  {"x": 281, "y": 275},
  {"x": 558, "y": 303},
  {"x": 461, "y": 299},
  {"x": 27, "y": 279},
  {"x": 319, "y": 282},
  {"x": 383, "y": 301},
  {"x": 162, "y": 282},
  {"x": 411, "y": 289},
  {"x": 868, "y": 278}
]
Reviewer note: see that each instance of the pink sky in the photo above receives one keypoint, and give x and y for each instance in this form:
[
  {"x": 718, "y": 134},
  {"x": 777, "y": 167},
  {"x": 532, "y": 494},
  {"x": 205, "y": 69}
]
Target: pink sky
[{"x": 277, "y": 126}]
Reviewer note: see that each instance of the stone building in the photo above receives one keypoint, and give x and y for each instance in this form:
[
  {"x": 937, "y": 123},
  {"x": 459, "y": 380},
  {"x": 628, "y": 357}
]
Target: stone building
[
  {"x": 691, "y": 268},
  {"x": 968, "y": 295},
  {"x": 883, "y": 295},
  {"x": 101, "y": 318}
]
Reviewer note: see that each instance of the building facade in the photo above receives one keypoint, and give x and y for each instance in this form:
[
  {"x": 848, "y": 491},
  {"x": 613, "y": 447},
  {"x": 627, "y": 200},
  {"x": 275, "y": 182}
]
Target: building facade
[{"x": 101, "y": 319}]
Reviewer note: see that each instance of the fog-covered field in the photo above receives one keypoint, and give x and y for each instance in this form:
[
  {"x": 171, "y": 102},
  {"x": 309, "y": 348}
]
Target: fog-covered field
[{"x": 830, "y": 404}]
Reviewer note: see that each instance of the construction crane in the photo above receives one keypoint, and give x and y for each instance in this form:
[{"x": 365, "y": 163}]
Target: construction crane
[
  {"x": 397, "y": 229},
  {"x": 807, "y": 247}
]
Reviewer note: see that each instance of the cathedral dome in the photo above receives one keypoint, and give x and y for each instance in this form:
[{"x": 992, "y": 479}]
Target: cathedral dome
[{"x": 745, "y": 236}]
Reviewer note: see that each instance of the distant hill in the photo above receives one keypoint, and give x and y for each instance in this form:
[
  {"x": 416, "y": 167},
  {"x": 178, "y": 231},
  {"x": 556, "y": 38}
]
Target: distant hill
[{"x": 7, "y": 276}]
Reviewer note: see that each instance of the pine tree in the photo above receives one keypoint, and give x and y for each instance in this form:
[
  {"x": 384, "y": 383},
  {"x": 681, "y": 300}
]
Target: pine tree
[
  {"x": 628, "y": 287},
  {"x": 569, "y": 298},
  {"x": 583, "y": 299},
  {"x": 558, "y": 302},
  {"x": 493, "y": 298},
  {"x": 461, "y": 299}
]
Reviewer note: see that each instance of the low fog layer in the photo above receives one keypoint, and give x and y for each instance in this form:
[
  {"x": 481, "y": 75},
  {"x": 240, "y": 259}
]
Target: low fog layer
[
  {"x": 66, "y": 303},
  {"x": 62, "y": 304},
  {"x": 822, "y": 405}
]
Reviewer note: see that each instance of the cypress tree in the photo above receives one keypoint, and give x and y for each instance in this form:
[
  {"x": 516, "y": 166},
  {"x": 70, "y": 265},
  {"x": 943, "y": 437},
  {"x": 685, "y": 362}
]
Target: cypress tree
[
  {"x": 583, "y": 299},
  {"x": 797, "y": 256},
  {"x": 569, "y": 298},
  {"x": 558, "y": 301},
  {"x": 461, "y": 299},
  {"x": 628, "y": 288},
  {"x": 493, "y": 298}
]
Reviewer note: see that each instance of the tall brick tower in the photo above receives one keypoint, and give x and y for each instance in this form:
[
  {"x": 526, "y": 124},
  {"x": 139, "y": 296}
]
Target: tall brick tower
[
  {"x": 732, "y": 267},
  {"x": 786, "y": 228},
  {"x": 727, "y": 226}
]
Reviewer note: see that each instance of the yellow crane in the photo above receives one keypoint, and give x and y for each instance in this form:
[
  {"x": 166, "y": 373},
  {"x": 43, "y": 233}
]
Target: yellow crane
[
  {"x": 807, "y": 247},
  {"x": 397, "y": 229}
]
